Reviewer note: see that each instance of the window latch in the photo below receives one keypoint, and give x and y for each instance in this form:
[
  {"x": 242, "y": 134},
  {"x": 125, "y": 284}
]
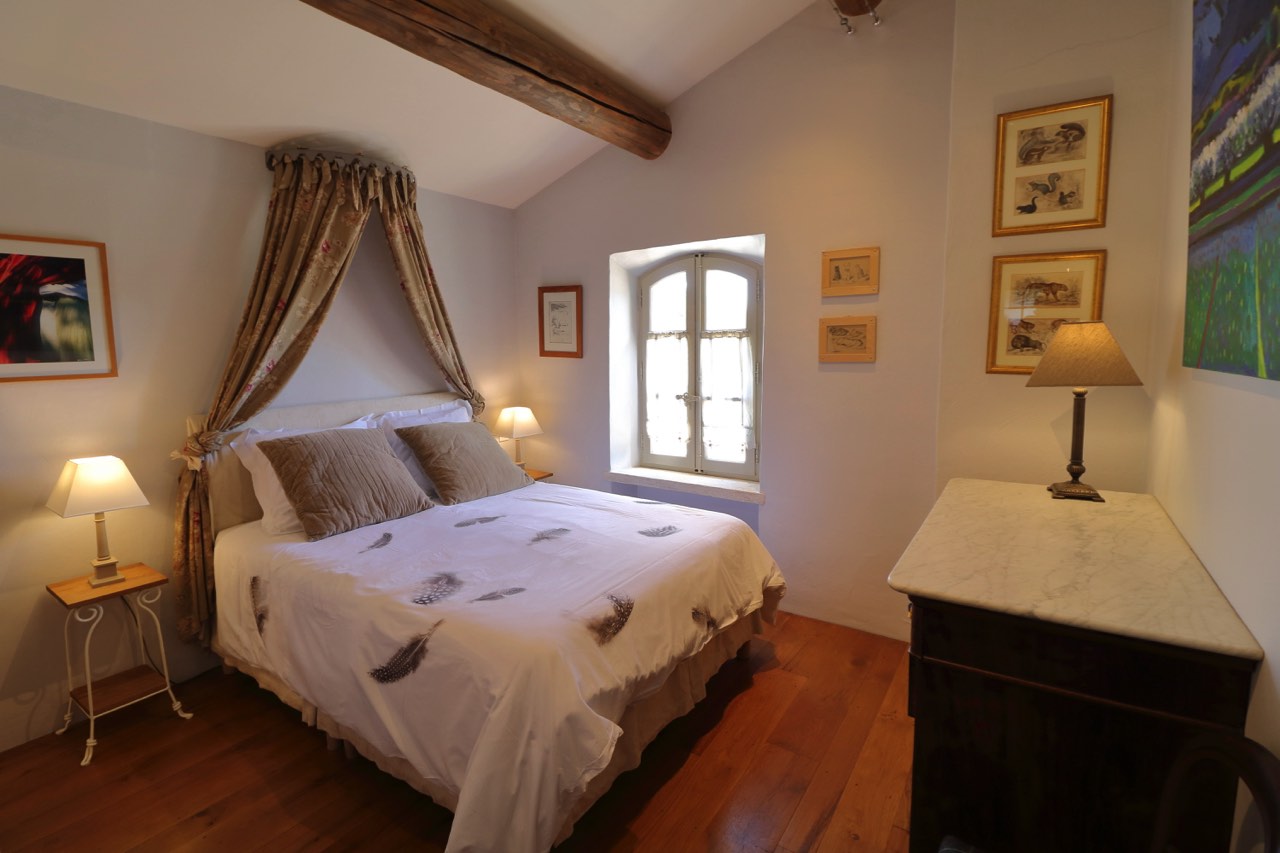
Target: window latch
[{"x": 689, "y": 398}]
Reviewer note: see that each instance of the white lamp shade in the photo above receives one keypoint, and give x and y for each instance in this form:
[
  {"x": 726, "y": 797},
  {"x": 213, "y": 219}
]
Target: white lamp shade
[
  {"x": 94, "y": 484},
  {"x": 516, "y": 422}
]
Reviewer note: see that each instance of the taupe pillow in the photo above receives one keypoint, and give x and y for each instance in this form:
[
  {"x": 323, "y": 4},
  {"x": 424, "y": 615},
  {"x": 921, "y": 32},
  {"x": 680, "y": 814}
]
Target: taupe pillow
[
  {"x": 341, "y": 479},
  {"x": 463, "y": 461}
]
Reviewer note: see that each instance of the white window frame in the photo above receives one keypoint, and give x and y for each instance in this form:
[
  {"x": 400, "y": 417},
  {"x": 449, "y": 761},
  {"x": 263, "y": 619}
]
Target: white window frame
[{"x": 696, "y": 265}]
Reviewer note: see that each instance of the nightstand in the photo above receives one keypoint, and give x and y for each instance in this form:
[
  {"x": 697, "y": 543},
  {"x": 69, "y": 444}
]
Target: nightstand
[
  {"x": 85, "y": 603},
  {"x": 538, "y": 475}
]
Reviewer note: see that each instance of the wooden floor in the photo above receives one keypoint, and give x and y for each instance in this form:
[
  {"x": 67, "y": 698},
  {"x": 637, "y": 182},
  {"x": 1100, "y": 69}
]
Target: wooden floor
[{"x": 805, "y": 746}]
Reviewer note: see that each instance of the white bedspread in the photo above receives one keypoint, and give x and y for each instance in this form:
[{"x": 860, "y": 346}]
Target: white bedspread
[{"x": 545, "y": 611}]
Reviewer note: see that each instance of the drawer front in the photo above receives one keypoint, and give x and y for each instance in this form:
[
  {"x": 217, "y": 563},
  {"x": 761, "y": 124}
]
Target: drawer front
[
  {"x": 1153, "y": 677},
  {"x": 1013, "y": 768}
]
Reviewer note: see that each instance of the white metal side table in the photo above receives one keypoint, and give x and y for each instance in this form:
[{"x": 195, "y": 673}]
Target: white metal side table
[{"x": 85, "y": 604}]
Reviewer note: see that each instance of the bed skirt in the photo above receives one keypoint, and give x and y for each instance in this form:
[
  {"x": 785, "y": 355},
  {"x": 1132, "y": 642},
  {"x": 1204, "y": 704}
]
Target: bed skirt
[{"x": 640, "y": 723}]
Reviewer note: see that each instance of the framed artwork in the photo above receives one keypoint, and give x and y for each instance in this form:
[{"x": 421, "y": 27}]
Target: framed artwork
[
  {"x": 1232, "y": 314},
  {"x": 55, "y": 315},
  {"x": 845, "y": 339},
  {"x": 560, "y": 321},
  {"x": 1051, "y": 167},
  {"x": 851, "y": 272},
  {"x": 1031, "y": 296}
]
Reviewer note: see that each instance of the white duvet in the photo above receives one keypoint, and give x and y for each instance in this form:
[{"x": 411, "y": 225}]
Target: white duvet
[{"x": 493, "y": 644}]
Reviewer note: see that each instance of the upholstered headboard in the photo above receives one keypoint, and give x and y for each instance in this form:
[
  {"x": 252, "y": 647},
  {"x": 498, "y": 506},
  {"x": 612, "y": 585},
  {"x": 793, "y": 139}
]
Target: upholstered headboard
[{"x": 231, "y": 495}]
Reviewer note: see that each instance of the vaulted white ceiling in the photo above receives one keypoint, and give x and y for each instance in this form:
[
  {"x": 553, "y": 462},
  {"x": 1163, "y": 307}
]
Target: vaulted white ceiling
[{"x": 270, "y": 71}]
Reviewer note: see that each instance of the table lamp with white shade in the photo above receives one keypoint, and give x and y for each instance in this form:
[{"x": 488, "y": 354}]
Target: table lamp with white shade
[
  {"x": 97, "y": 485},
  {"x": 1081, "y": 354},
  {"x": 515, "y": 423}
]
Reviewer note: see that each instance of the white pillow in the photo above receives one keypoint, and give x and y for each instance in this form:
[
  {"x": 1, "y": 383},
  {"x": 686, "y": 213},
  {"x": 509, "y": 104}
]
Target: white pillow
[
  {"x": 452, "y": 412},
  {"x": 277, "y": 513}
]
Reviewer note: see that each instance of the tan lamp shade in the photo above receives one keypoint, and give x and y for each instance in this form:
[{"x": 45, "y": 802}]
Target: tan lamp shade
[{"x": 1083, "y": 354}]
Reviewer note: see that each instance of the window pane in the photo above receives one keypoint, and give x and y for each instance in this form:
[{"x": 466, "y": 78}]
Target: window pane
[
  {"x": 666, "y": 378},
  {"x": 728, "y": 407},
  {"x": 726, "y": 295},
  {"x": 668, "y": 303}
]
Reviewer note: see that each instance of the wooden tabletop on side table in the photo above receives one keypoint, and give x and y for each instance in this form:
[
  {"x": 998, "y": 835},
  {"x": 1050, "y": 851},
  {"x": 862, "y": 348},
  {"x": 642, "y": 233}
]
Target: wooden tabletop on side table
[{"x": 77, "y": 591}]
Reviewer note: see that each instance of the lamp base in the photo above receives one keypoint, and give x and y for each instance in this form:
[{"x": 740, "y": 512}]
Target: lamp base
[
  {"x": 105, "y": 572},
  {"x": 1075, "y": 490}
]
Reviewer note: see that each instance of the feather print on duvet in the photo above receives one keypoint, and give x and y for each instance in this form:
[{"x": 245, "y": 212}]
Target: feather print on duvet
[{"x": 497, "y": 651}]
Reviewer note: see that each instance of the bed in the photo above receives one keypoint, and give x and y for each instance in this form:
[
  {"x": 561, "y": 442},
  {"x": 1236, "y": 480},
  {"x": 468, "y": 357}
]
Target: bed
[{"x": 508, "y": 654}]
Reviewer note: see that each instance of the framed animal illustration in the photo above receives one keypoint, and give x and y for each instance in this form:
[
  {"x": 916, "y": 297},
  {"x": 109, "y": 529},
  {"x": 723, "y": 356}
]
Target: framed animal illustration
[
  {"x": 851, "y": 272},
  {"x": 846, "y": 339},
  {"x": 1051, "y": 167},
  {"x": 1031, "y": 296}
]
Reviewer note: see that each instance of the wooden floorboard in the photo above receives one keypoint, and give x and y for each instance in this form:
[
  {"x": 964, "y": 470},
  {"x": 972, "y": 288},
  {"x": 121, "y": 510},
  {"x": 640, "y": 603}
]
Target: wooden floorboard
[{"x": 803, "y": 746}]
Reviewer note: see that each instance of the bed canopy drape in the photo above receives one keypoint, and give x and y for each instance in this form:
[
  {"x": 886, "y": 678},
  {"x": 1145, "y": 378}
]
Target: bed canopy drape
[{"x": 320, "y": 204}]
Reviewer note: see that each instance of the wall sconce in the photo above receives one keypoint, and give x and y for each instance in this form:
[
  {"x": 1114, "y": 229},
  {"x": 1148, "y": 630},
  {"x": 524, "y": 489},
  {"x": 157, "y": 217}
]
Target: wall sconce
[
  {"x": 515, "y": 423},
  {"x": 1081, "y": 354},
  {"x": 96, "y": 484}
]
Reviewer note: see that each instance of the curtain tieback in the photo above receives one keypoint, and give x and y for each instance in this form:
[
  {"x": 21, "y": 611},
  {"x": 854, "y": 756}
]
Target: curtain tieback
[{"x": 197, "y": 446}]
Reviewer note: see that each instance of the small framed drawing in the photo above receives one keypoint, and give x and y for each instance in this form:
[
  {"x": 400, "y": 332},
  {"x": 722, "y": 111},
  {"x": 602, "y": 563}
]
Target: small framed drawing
[
  {"x": 55, "y": 314},
  {"x": 560, "y": 321},
  {"x": 1051, "y": 167},
  {"x": 1031, "y": 296},
  {"x": 851, "y": 272},
  {"x": 843, "y": 339}
]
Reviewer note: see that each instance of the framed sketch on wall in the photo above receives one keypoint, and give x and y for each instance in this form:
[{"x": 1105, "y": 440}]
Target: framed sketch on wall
[
  {"x": 560, "y": 321},
  {"x": 851, "y": 272},
  {"x": 55, "y": 314},
  {"x": 1031, "y": 296},
  {"x": 1051, "y": 167},
  {"x": 846, "y": 339}
]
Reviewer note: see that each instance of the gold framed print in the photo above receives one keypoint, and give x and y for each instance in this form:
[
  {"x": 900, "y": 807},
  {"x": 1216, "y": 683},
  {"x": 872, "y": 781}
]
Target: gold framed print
[
  {"x": 1051, "y": 167},
  {"x": 1031, "y": 296}
]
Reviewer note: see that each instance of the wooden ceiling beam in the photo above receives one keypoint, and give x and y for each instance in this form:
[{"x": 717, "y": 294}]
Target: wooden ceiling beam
[{"x": 473, "y": 40}]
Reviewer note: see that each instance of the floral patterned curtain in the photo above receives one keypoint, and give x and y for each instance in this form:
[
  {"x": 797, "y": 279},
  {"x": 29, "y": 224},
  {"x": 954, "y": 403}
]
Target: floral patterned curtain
[
  {"x": 319, "y": 207},
  {"x": 418, "y": 281}
]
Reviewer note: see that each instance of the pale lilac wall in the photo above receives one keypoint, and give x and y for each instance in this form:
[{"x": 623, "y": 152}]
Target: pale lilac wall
[
  {"x": 818, "y": 141},
  {"x": 1214, "y": 440},
  {"x": 182, "y": 217}
]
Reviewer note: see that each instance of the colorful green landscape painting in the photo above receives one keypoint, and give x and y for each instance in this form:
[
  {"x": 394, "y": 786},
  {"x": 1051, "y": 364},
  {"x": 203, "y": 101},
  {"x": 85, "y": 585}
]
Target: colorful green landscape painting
[{"x": 1233, "y": 264}]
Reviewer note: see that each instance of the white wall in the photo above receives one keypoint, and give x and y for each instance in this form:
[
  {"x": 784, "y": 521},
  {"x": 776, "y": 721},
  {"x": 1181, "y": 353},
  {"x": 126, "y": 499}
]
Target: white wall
[
  {"x": 818, "y": 141},
  {"x": 1012, "y": 55},
  {"x": 1213, "y": 444},
  {"x": 369, "y": 341},
  {"x": 182, "y": 218}
]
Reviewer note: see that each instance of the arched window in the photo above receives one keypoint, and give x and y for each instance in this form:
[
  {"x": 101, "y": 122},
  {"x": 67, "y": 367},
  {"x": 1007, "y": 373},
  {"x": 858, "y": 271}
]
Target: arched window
[{"x": 699, "y": 366}]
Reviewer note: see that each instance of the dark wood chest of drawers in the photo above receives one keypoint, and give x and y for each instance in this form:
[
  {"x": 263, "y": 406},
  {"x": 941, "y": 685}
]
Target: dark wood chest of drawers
[{"x": 1032, "y": 736}]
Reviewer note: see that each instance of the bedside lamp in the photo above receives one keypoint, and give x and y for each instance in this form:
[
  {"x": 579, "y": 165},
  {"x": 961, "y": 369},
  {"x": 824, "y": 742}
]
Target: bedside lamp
[
  {"x": 515, "y": 423},
  {"x": 1081, "y": 354},
  {"x": 96, "y": 484}
]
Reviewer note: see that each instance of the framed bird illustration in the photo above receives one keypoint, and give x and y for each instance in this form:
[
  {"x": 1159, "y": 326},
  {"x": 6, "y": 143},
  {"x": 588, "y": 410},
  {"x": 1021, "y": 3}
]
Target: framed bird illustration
[{"x": 1051, "y": 167}]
